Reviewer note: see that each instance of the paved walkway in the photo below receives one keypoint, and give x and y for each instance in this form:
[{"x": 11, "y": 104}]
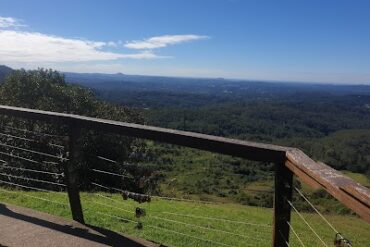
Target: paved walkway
[{"x": 25, "y": 227}]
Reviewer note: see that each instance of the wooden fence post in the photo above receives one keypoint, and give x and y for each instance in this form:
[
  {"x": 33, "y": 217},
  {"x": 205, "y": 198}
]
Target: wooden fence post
[
  {"x": 282, "y": 209},
  {"x": 71, "y": 174}
]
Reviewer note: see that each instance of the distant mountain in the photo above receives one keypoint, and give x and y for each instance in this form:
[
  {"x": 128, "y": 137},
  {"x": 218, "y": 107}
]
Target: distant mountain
[
  {"x": 210, "y": 86},
  {"x": 119, "y": 84},
  {"x": 4, "y": 71}
]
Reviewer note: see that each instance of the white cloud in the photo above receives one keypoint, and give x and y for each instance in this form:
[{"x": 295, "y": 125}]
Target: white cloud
[
  {"x": 163, "y": 41},
  {"x": 112, "y": 44},
  {"x": 19, "y": 46},
  {"x": 9, "y": 22},
  {"x": 31, "y": 47}
]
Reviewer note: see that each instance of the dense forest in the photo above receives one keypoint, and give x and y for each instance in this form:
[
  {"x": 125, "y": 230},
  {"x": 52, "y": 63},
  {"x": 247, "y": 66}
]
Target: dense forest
[
  {"x": 315, "y": 124},
  {"x": 330, "y": 123},
  {"x": 47, "y": 90}
]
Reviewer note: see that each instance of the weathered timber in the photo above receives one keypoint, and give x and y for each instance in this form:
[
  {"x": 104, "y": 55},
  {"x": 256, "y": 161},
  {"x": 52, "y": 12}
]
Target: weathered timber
[
  {"x": 352, "y": 194},
  {"x": 303, "y": 176},
  {"x": 71, "y": 175},
  {"x": 282, "y": 209},
  {"x": 238, "y": 148}
]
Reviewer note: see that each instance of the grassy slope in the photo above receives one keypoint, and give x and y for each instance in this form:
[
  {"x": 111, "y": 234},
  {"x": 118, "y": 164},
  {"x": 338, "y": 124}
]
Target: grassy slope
[
  {"x": 358, "y": 177},
  {"x": 208, "y": 176},
  {"x": 159, "y": 218}
]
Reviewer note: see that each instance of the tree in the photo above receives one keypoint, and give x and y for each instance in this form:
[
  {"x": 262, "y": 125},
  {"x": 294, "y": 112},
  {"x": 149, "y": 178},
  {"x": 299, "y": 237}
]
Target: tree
[{"x": 47, "y": 90}]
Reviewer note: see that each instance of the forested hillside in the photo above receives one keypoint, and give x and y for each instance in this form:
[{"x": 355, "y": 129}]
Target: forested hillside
[
  {"x": 47, "y": 90},
  {"x": 4, "y": 71},
  {"x": 329, "y": 122},
  {"x": 308, "y": 123},
  {"x": 330, "y": 125}
]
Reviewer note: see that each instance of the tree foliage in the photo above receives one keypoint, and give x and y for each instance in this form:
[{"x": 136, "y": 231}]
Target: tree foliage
[{"x": 47, "y": 90}]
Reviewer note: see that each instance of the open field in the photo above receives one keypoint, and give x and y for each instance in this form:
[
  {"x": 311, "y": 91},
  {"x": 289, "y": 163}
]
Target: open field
[{"x": 186, "y": 223}]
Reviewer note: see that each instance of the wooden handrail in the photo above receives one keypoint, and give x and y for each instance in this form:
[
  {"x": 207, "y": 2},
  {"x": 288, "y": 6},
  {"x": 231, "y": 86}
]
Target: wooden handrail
[
  {"x": 350, "y": 193},
  {"x": 244, "y": 149},
  {"x": 288, "y": 161}
]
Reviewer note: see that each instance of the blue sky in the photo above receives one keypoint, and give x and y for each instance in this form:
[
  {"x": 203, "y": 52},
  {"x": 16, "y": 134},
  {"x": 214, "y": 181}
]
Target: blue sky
[{"x": 312, "y": 40}]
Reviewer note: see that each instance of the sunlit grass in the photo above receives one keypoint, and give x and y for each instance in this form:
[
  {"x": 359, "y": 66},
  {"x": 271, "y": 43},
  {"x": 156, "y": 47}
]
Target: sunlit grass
[
  {"x": 176, "y": 223},
  {"x": 358, "y": 177}
]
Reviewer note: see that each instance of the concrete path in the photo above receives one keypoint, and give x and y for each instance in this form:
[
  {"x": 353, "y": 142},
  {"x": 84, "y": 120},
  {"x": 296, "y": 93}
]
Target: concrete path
[{"x": 25, "y": 227}]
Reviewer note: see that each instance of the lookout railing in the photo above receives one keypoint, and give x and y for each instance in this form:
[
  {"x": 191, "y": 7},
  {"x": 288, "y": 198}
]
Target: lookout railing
[{"x": 288, "y": 162}]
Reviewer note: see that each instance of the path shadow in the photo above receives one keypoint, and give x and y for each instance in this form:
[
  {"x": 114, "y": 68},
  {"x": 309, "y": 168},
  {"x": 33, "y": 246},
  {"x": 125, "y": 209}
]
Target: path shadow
[{"x": 109, "y": 238}]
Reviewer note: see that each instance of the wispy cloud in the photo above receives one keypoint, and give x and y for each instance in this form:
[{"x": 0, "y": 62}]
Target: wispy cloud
[
  {"x": 163, "y": 41},
  {"x": 9, "y": 22},
  {"x": 20, "y": 46}
]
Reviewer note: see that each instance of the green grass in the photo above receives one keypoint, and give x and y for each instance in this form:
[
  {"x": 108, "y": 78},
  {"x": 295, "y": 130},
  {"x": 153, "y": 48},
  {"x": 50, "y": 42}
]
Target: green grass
[
  {"x": 165, "y": 220},
  {"x": 205, "y": 175},
  {"x": 358, "y": 177}
]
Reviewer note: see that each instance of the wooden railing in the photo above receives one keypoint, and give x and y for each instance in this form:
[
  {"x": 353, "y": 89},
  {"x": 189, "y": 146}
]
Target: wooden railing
[{"x": 288, "y": 162}]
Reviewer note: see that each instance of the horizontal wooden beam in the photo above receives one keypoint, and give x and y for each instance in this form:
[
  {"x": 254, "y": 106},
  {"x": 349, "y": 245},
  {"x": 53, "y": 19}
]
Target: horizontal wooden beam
[
  {"x": 348, "y": 192},
  {"x": 303, "y": 176},
  {"x": 238, "y": 148}
]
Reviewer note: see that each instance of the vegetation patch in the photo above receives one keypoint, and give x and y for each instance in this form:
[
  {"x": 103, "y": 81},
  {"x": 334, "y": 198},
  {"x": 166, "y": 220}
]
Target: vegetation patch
[{"x": 185, "y": 223}]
